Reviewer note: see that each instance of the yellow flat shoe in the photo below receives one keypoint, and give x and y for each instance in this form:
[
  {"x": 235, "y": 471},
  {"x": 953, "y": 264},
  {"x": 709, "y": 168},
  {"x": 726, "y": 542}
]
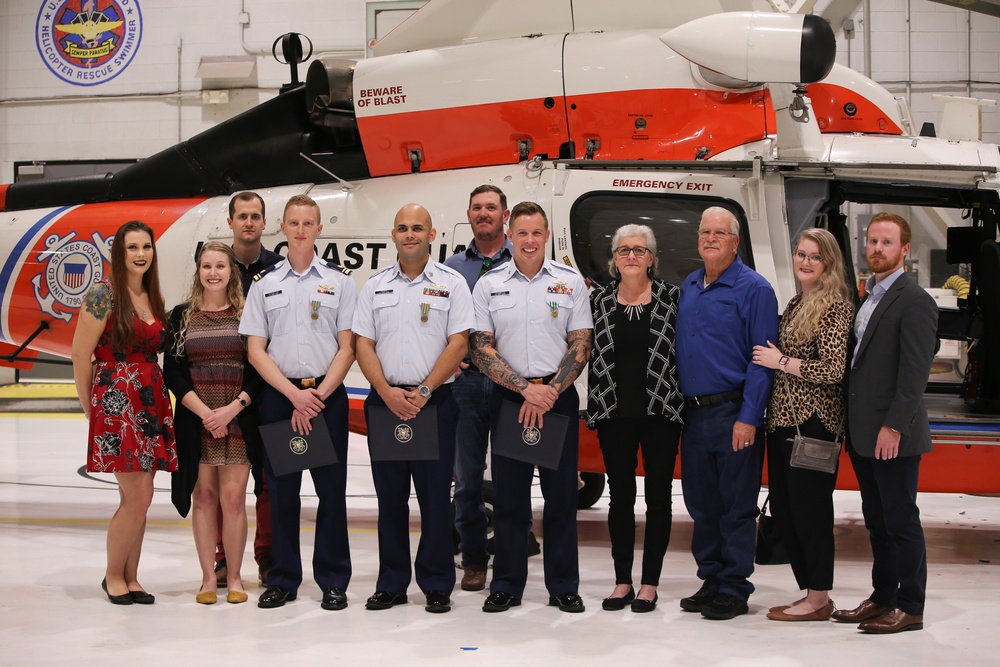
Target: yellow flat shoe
[
  {"x": 206, "y": 597},
  {"x": 236, "y": 597}
]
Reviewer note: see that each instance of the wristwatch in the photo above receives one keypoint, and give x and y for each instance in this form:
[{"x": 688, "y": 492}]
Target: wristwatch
[
  {"x": 242, "y": 402},
  {"x": 424, "y": 391},
  {"x": 783, "y": 362}
]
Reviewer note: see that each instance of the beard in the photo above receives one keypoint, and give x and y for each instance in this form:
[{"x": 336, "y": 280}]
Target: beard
[{"x": 883, "y": 263}]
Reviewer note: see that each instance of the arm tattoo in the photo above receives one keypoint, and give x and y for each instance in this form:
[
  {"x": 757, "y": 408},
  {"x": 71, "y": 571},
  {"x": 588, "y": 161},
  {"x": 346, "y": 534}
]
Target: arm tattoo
[
  {"x": 98, "y": 301},
  {"x": 489, "y": 361},
  {"x": 581, "y": 342}
]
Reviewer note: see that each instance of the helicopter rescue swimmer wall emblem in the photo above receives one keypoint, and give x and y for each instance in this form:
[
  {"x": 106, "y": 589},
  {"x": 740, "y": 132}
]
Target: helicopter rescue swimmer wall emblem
[{"x": 87, "y": 42}]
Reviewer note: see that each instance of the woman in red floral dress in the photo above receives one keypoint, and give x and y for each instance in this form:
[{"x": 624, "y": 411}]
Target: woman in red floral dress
[{"x": 121, "y": 328}]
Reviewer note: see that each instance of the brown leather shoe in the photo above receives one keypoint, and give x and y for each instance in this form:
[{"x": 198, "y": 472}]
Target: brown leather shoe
[
  {"x": 474, "y": 579},
  {"x": 821, "y": 614},
  {"x": 893, "y": 622},
  {"x": 865, "y": 611}
]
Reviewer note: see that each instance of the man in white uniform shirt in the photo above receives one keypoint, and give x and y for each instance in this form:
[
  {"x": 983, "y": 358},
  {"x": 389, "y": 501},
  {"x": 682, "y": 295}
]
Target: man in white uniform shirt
[
  {"x": 534, "y": 334},
  {"x": 297, "y": 320},
  {"x": 412, "y": 329}
]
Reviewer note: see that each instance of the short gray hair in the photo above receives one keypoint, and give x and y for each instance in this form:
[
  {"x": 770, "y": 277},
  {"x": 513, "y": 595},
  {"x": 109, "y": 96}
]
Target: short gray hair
[
  {"x": 734, "y": 223},
  {"x": 634, "y": 230}
]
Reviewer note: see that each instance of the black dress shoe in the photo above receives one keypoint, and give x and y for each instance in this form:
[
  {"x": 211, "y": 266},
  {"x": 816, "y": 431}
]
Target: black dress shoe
[
  {"x": 699, "y": 600},
  {"x": 384, "y": 600},
  {"x": 275, "y": 596},
  {"x": 142, "y": 597},
  {"x": 438, "y": 603},
  {"x": 116, "y": 599},
  {"x": 641, "y": 606},
  {"x": 617, "y": 604},
  {"x": 569, "y": 602},
  {"x": 724, "y": 607},
  {"x": 334, "y": 599},
  {"x": 500, "y": 601}
]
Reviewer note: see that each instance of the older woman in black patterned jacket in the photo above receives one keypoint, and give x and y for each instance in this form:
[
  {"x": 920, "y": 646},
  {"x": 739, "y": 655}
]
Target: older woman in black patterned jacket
[{"x": 635, "y": 401}]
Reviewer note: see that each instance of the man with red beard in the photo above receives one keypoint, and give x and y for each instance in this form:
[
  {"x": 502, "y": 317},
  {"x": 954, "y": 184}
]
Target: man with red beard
[{"x": 887, "y": 431}]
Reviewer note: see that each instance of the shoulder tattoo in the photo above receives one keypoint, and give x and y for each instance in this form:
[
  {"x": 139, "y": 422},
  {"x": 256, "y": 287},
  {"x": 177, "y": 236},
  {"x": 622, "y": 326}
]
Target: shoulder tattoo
[{"x": 98, "y": 301}]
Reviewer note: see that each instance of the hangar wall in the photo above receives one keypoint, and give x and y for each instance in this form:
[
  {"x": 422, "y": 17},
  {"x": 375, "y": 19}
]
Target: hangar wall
[{"x": 156, "y": 100}]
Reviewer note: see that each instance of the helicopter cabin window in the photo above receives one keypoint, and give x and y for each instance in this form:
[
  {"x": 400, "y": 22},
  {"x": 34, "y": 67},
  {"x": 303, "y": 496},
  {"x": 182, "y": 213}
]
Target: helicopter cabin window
[{"x": 674, "y": 221}]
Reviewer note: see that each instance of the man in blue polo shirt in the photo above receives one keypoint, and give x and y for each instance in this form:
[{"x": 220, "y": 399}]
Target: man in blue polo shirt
[
  {"x": 490, "y": 248},
  {"x": 725, "y": 309}
]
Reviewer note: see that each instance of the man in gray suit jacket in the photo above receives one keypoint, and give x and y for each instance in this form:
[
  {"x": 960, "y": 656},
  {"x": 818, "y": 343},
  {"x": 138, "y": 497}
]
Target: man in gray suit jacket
[{"x": 887, "y": 430}]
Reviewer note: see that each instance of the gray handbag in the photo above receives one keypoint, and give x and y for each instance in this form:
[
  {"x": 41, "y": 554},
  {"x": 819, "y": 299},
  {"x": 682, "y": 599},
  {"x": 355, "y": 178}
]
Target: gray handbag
[{"x": 812, "y": 453}]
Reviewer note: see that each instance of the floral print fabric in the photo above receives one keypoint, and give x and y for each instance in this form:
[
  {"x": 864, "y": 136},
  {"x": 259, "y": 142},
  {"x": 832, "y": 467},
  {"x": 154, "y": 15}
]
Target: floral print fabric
[{"x": 131, "y": 423}]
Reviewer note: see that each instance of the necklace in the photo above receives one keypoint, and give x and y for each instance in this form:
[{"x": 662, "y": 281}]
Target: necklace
[{"x": 634, "y": 311}]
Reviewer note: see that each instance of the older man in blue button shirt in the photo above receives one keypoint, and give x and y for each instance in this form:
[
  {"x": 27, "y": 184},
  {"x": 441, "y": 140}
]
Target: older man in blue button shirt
[{"x": 725, "y": 309}]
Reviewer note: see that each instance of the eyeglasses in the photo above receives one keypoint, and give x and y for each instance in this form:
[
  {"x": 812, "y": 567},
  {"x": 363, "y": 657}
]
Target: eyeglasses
[
  {"x": 812, "y": 259},
  {"x": 638, "y": 251},
  {"x": 709, "y": 233},
  {"x": 487, "y": 265}
]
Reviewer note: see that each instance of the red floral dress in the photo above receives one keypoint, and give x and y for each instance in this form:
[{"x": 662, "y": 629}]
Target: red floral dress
[{"x": 131, "y": 423}]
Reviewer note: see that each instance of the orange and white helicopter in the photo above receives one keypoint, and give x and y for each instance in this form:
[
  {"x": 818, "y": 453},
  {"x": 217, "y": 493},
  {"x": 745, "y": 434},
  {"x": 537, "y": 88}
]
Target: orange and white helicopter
[{"x": 604, "y": 113}]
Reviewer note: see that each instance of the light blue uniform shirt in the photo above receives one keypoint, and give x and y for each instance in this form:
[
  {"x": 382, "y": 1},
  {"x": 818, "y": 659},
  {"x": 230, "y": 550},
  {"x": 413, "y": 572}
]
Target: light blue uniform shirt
[
  {"x": 875, "y": 290},
  {"x": 411, "y": 320},
  {"x": 519, "y": 312},
  {"x": 280, "y": 308}
]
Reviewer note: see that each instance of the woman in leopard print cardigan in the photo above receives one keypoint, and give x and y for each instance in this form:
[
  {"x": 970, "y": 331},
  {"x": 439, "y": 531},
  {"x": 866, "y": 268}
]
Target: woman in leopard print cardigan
[{"x": 812, "y": 352}]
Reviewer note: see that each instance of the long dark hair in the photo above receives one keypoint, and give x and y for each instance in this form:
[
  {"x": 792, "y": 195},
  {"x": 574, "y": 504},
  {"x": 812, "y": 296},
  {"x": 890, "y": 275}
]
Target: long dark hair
[{"x": 123, "y": 334}]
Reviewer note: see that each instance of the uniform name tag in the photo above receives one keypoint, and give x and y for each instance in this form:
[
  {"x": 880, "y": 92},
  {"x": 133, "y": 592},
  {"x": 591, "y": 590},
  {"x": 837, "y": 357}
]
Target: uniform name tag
[
  {"x": 383, "y": 291},
  {"x": 500, "y": 293},
  {"x": 272, "y": 293}
]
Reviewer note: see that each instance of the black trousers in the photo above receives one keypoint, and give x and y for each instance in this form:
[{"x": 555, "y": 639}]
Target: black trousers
[
  {"x": 621, "y": 440},
  {"x": 899, "y": 553},
  {"x": 802, "y": 506}
]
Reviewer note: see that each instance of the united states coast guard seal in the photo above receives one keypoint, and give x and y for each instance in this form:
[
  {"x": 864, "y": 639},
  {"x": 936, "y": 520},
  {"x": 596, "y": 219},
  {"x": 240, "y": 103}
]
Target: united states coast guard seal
[
  {"x": 531, "y": 436},
  {"x": 87, "y": 42},
  {"x": 403, "y": 433},
  {"x": 298, "y": 445}
]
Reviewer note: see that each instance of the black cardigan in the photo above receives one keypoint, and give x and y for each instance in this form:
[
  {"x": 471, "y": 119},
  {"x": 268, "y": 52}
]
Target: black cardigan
[{"x": 187, "y": 425}]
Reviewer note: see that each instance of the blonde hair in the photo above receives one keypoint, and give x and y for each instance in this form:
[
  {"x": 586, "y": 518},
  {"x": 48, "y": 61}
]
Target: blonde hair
[
  {"x": 234, "y": 291},
  {"x": 830, "y": 289}
]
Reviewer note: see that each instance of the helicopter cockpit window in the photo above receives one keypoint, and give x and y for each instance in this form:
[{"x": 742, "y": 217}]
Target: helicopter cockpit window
[{"x": 674, "y": 221}]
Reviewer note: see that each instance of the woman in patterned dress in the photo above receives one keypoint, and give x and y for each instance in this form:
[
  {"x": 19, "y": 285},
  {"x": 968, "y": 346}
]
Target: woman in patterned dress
[
  {"x": 635, "y": 402},
  {"x": 207, "y": 370},
  {"x": 131, "y": 432},
  {"x": 812, "y": 351}
]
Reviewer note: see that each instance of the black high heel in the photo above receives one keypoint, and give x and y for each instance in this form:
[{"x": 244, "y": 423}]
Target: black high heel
[{"x": 116, "y": 599}]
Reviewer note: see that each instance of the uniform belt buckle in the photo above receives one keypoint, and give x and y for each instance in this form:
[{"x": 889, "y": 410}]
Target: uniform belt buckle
[
  {"x": 536, "y": 380},
  {"x": 307, "y": 383}
]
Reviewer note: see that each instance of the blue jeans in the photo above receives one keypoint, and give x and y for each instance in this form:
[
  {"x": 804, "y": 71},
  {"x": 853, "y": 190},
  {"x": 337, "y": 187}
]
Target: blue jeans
[
  {"x": 720, "y": 490},
  {"x": 471, "y": 391}
]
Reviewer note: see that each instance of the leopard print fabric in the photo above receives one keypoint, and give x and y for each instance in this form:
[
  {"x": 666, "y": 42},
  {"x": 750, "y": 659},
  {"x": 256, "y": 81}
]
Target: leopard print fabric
[{"x": 820, "y": 390}]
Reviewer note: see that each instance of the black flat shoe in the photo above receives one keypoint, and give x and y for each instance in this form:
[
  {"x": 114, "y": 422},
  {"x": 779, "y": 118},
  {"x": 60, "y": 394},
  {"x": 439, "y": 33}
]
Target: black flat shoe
[
  {"x": 334, "y": 599},
  {"x": 568, "y": 602},
  {"x": 617, "y": 604},
  {"x": 142, "y": 597},
  {"x": 641, "y": 606},
  {"x": 116, "y": 599},
  {"x": 275, "y": 596},
  {"x": 384, "y": 600},
  {"x": 500, "y": 601},
  {"x": 438, "y": 603}
]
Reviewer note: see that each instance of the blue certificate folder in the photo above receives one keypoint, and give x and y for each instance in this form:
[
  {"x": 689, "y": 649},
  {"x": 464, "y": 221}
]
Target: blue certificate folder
[
  {"x": 392, "y": 439},
  {"x": 540, "y": 446},
  {"x": 290, "y": 452}
]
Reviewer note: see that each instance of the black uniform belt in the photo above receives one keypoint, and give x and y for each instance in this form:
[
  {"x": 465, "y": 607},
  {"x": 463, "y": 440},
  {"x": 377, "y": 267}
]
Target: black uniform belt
[
  {"x": 307, "y": 383},
  {"x": 714, "y": 399}
]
